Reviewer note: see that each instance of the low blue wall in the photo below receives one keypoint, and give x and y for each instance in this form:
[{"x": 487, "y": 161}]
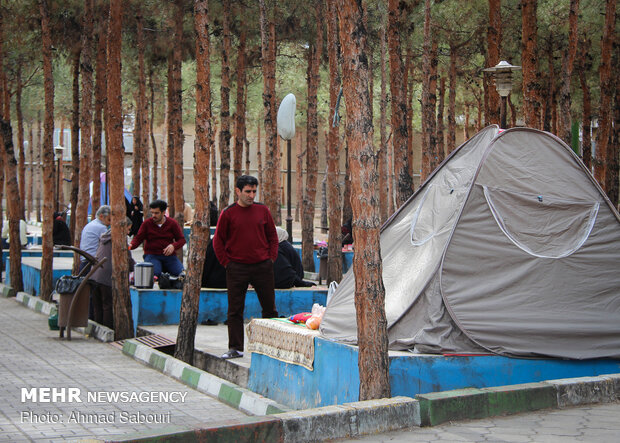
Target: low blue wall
[
  {"x": 347, "y": 259},
  {"x": 31, "y": 277},
  {"x": 335, "y": 378},
  {"x": 35, "y": 240},
  {"x": 36, "y": 253},
  {"x": 158, "y": 307},
  {"x": 188, "y": 230}
]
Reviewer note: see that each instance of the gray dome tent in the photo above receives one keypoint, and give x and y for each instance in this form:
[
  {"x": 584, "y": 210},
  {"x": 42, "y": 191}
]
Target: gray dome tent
[{"x": 509, "y": 247}]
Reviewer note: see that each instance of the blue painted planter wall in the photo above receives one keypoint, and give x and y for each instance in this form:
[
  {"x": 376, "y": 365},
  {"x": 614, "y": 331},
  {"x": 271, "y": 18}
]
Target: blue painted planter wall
[
  {"x": 158, "y": 307},
  {"x": 347, "y": 259},
  {"x": 335, "y": 379},
  {"x": 31, "y": 277},
  {"x": 36, "y": 253}
]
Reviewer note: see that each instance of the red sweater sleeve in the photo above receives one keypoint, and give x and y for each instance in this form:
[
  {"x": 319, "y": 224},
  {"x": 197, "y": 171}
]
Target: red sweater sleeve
[{"x": 139, "y": 237}]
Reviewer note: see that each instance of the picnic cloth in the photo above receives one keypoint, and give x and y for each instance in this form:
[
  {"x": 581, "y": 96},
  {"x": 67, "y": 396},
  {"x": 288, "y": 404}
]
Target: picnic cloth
[{"x": 282, "y": 340}]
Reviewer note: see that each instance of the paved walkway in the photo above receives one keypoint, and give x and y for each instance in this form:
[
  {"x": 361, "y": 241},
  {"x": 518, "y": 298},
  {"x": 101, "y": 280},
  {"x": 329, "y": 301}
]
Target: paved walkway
[
  {"x": 32, "y": 356},
  {"x": 598, "y": 423}
]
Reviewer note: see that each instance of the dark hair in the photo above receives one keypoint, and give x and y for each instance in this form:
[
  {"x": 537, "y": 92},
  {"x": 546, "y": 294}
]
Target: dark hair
[
  {"x": 246, "y": 180},
  {"x": 160, "y": 204}
]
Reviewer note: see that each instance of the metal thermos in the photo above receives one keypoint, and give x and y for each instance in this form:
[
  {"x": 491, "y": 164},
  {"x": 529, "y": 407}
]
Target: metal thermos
[{"x": 143, "y": 275}]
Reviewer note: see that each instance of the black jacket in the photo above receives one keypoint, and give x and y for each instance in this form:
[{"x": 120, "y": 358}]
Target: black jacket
[
  {"x": 287, "y": 269},
  {"x": 213, "y": 273},
  {"x": 61, "y": 234}
]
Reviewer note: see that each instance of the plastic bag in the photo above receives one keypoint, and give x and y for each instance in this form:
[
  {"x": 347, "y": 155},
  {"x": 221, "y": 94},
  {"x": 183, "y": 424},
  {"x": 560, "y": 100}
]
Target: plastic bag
[{"x": 317, "y": 315}]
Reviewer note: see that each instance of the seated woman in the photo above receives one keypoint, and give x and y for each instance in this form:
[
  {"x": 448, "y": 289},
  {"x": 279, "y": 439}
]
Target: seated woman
[
  {"x": 287, "y": 269},
  {"x": 213, "y": 273},
  {"x": 61, "y": 234}
]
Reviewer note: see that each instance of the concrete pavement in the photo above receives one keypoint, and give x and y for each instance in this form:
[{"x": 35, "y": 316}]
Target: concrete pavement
[
  {"x": 34, "y": 357},
  {"x": 598, "y": 423}
]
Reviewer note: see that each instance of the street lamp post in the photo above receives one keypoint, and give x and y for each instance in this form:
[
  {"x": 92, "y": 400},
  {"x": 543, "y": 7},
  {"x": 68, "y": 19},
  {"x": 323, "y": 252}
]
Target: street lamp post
[
  {"x": 502, "y": 72},
  {"x": 286, "y": 130},
  {"x": 58, "y": 157}
]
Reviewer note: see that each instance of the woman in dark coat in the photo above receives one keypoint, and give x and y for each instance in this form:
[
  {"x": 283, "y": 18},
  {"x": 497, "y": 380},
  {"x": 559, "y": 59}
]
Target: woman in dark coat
[
  {"x": 61, "y": 234},
  {"x": 135, "y": 213}
]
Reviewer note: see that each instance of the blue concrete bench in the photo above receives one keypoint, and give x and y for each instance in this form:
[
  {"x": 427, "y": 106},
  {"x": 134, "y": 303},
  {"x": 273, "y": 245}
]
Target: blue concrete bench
[
  {"x": 31, "y": 272},
  {"x": 35, "y": 253},
  {"x": 163, "y": 307}
]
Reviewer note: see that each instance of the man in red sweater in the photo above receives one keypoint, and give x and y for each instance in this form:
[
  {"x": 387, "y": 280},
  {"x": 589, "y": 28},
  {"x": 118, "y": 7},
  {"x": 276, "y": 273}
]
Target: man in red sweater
[
  {"x": 162, "y": 236},
  {"x": 246, "y": 244}
]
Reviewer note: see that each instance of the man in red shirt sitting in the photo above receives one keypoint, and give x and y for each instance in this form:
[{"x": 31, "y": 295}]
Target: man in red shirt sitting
[
  {"x": 246, "y": 244},
  {"x": 162, "y": 236}
]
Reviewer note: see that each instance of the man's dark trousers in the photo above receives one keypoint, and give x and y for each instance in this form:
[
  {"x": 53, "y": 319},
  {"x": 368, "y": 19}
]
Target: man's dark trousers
[{"x": 238, "y": 276}]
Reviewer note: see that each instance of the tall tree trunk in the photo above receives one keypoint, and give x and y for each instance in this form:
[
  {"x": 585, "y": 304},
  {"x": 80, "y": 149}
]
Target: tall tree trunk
[
  {"x": 214, "y": 169},
  {"x": 123, "y": 324},
  {"x": 479, "y": 119},
  {"x": 369, "y": 290},
  {"x": 466, "y": 125},
  {"x": 494, "y": 43},
  {"x": 432, "y": 107},
  {"x": 452, "y": 100},
  {"x": 200, "y": 225},
  {"x": 13, "y": 198},
  {"x": 86, "y": 120},
  {"x": 549, "y": 97},
  {"x": 334, "y": 250},
  {"x": 171, "y": 137},
  {"x": 529, "y": 60},
  {"x": 21, "y": 170},
  {"x": 604, "y": 152},
  {"x": 38, "y": 170},
  {"x": 240, "y": 111},
  {"x": 136, "y": 159},
  {"x": 428, "y": 105},
  {"x": 564, "y": 127},
  {"x": 45, "y": 289},
  {"x": 270, "y": 191},
  {"x": 31, "y": 160},
  {"x": 408, "y": 80},
  {"x": 347, "y": 211},
  {"x": 141, "y": 114},
  {"x": 441, "y": 149},
  {"x": 164, "y": 150},
  {"x": 398, "y": 90},
  {"x": 583, "y": 67},
  {"x": 152, "y": 135},
  {"x": 247, "y": 150},
  {"x": 382, "y": 161},
  {"x": 312, "y": 140},
  {"x": 614, "y": 137},
  {"x": 75, "y": 149},
  {"x": 299, "y": 182},
  {"x": 224, "y": 140},
  {"x": 179, "y": 198},
  {"x": 100, "y": 103}
]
